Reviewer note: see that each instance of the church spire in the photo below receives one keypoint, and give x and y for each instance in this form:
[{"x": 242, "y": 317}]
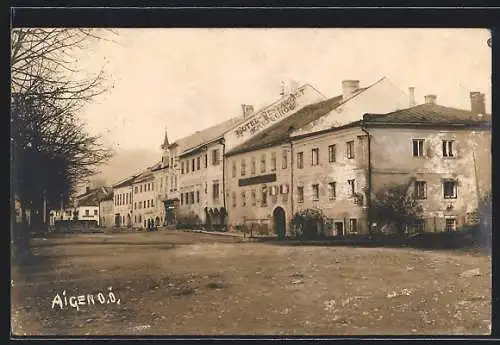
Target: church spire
[{"x": 165, "y": 140}]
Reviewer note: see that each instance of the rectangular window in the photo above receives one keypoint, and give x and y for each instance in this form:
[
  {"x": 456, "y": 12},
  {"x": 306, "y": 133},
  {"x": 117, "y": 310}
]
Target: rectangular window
[
  {"x": 233, "y": 197},
  {"x": 332, "y": 153},
  {"x": 450, "y": 189},
  {"x": 87, "y": 213},
  {"x": 140, "y": 218},
  {"x": 254, "y": 197},
  {"x": 243, "y": 167},
  {"x": 140, "y": 188},
  {"x": 332, "y": 190},
  {"x": 198, "y": 196},
  {"x": 420, "y": 190},
  {"x": 353, "y": 225},
  {"x": 243, "y": 199},
  {"x": 152, "y": 186},
  {"x": 95, "y": 212},
  {"x": 419, "y": 226},
  {"x": 192, "y": 165},
  {"x": 418, "y": 147},
  {"x": 152, "y": 203},
  {"x": 264, "y": 196},
  {"x": 314, "y": 156},
  {"x": 315, "y": 189},
  {"x": 215, "y": 157},
  {"x": 182, "y": 199},
  {"x": 300, "y": 160},
  {"x": 273, "y": 161},
  {"x": 300, "y": 194},
  {"x": 187, "y": 167},
  {"x": 284, "y": 160},
  {"x": 254, "y": 169},
  {"x": 171, "y": 162},
  {"x": 263, "y": 164},
  {"x": 182, "y": 168},
  {"x": 192, "y": 197},
  {"x": 352, "y": 186},
  {"x": 448, "y": 148},
  {"x": 198, "y": 163},
  {"x": 144, "y": 206},
  {"x": 350, "y": 149},
  {"x": 215, "y": 190},
  {"x": 147, "y": 203},
  {"x": 206, "y": 161},
  {"x": 233, "y": 168},
  {"x": 135, "y": 205},
  {"x": 450, "y": 224}
]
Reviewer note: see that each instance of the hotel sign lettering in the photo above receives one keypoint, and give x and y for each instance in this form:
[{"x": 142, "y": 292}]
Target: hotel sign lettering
[{"x": 270, "y": 115}]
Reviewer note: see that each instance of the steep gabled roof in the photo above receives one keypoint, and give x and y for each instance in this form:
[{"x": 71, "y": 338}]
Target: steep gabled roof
[
  {"x": 144, "y": 176},
  {"x": 206, "y": 135},
  {"x": 428, "y": 114},
  {"x": 125, "y": 182},
  {"x": 94, "y": 196},
  {"x": 280, "y": 131}
]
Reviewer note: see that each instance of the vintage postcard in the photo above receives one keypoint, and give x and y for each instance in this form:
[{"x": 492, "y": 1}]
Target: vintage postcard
[{"x": 279, "y": 182}]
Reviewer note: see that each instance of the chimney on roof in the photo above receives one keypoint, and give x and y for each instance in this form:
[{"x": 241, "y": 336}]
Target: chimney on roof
[
  {"x": 430, "y": 99},
  {"x": 411, "y": 89},
  {"x": 247, "y": 110},
  {"x": 477, "y": 105},
  {"x": 348, "y": 88}
]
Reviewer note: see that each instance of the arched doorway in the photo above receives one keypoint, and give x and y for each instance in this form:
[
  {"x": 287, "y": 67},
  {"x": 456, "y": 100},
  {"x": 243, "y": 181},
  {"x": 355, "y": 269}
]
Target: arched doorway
[{"x": 279, "y": 222}]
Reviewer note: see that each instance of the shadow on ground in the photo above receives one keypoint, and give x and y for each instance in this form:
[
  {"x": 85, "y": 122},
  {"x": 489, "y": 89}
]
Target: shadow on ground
[{"x": 456, "y": 241}]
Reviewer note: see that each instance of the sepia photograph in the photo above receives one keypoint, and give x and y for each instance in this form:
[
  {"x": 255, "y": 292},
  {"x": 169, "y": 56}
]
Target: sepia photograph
[{"x": 250, "y": 181}]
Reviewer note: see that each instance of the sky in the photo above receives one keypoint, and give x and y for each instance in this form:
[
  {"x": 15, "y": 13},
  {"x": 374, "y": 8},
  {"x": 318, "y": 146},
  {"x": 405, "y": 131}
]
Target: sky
[{"x": 189, "y": 79}]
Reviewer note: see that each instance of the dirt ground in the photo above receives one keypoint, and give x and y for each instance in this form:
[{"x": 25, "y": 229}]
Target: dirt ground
[{"x": 179, "y": 283}]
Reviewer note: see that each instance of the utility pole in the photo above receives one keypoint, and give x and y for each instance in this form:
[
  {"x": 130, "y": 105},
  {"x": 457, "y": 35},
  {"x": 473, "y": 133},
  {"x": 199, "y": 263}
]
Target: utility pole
[{"x": 44, "y": 208}]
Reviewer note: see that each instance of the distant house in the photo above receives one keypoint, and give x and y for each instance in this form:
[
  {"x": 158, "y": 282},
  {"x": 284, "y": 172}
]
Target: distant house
[
  {"x": 87, "y": 204},
  {"x": 106, "y": 212}
]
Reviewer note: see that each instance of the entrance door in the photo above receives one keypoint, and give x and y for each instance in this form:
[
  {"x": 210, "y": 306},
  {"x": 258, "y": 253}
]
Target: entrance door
[
  {"x": 339, "y": 228},
  {"x": 279, "y": 222}
]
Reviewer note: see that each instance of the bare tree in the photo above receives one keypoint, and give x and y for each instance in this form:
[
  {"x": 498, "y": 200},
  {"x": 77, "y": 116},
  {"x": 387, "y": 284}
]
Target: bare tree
[{"x": 50, "y": 147}]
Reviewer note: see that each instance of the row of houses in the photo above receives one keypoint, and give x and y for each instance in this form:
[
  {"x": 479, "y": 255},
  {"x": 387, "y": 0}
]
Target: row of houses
[{"x": 306, "y": 150}]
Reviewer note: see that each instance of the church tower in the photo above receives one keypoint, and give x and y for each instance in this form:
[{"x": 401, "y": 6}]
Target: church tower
[{"x": 165, "y": 154}]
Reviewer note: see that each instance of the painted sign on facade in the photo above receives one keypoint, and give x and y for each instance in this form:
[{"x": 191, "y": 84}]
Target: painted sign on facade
[{"x": 288, "y": 105}]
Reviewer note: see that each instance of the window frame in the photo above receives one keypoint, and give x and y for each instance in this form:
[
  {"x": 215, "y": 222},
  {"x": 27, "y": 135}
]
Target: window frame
[
  {"x": 332, "y": 153},
  {"x": 332, "y": 190},
  {"x": 350, "y": 149},
  {"x": 455, "y": 189},
  {"x": 417, "y": 195},
  {"x": 300, "y": 160},
  {"x": 315, "y": 156},
  {"x": 419, "y": 148},
  {"x": 315, "y": 192}
]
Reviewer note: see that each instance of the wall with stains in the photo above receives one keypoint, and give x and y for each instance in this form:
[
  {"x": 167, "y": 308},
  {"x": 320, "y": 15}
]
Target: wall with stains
[
  {"x": 344, "y": 205},
  {"x": 393, "y": 162}
]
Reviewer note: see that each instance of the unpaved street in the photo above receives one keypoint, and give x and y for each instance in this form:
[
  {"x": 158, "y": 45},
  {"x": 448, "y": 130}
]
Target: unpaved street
[{"x": 178, "y": 283}]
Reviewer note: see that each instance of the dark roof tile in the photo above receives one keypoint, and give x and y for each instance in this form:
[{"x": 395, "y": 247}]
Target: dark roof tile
[{"x": 430, "y": 114}]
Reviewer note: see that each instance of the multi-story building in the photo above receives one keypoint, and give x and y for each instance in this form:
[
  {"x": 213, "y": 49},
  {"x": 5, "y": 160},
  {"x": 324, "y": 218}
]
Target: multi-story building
[
  {"x": 276, "y": 161},
  {"x": 123, "y": 202},
  {"x": 144, "y": 199},
  {"x": 200, "y": 158},
  {"x": 106, "y": 212},
  {"x": 337, "y": 165},
  {"x": 87, "y": 204}
]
